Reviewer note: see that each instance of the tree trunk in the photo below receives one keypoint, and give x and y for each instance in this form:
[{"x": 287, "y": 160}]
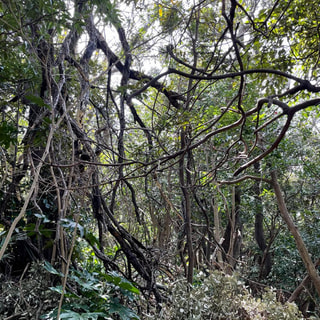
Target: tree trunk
[
  {"x": 233, "y": 233},
  {"x": 185, "y": 185},
  {"x": 294, "y": 296},
  {"x": 217, "y": 235},
  {"x": 266, "y": 263},
  {"x": 303, "y": 251}
]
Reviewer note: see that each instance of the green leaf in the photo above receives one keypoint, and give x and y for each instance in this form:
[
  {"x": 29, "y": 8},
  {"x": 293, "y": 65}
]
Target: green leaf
[
  {"x": 89, "y": 236},
  {"x": 123, "y": 312},
  {"x": 57, "y": 289},
  {"x": 37, "y": 100},
  {"x": 51, "y": 269},
  {"x": 42, "y": 216},
  {"x": 68, "y": 314},
  {"x": 114, "y": 278},
  {"x": 128, "y": 286},
  {"x": 69, "y": 224}
]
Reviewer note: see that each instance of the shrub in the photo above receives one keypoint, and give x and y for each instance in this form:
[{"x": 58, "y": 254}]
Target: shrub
[{"x": 223, "y": 297}]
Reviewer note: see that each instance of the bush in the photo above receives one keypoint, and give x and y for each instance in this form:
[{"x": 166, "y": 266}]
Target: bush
[
  {"x": 90, "y": 295},
  {"x": 28, "y": 297},
  {"x": 223, "y": 297},
  {"x": 93, "y": 295}
]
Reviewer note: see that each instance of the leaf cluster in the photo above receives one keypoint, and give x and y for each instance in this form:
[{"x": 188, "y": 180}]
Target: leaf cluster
[
  {"x": 220, "y": 296},
  {"x": 93, "y": 295}
]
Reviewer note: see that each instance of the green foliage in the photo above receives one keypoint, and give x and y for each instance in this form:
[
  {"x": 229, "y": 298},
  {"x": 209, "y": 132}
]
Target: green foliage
[
  {"x": 109, "y": 11},
  {"x": 92, "y": 295},
  {"x": 138, "y": 175},
  {"x": 71, "y": 315},
  {"x": 8, "y": 134},
  {"x": 220, "y": 296},
  {"x": 124, "y": 285},
  {"x": 37, "y": 101},
  {"x": 168, "y": 15},
  {"x": 47, "y": 266},
  {"x": 84, "y": 233}
]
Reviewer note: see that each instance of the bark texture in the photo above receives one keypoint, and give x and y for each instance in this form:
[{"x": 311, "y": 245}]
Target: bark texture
[{"x": 303, "y": 251}]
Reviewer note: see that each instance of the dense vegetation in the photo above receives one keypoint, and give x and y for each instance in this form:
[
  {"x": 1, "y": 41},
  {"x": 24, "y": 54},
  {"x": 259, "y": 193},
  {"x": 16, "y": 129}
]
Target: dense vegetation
[{"x": 159, "y": 159}]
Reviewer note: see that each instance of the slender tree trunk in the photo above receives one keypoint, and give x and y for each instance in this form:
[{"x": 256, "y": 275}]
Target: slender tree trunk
[
  {"x": 294, "y": 296},
  {"x": 31, "y": 191},
  {"x": 266, "y": 263},
  {"x": 237, "y": 234},
  {"x": 185, "y": 187},
  {"x": 303, "y": 251},
  {"x": 233, "y": 233},
  {"x": 217, "y": 235}
]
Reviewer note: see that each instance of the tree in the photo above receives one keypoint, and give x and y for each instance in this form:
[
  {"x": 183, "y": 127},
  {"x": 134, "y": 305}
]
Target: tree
[{"x": 138, "y": 127}]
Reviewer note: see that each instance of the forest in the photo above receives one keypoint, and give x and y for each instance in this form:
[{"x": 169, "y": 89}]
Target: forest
[{"x": 159, "y": 159}]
